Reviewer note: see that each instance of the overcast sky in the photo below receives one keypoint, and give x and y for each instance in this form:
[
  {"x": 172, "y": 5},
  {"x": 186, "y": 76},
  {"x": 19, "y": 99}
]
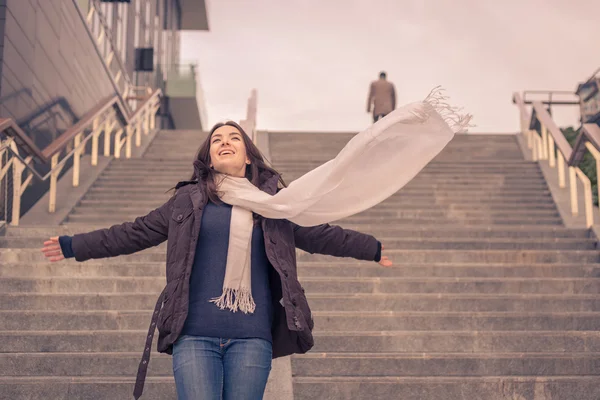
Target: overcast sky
[{"x": 312, "y": 60}]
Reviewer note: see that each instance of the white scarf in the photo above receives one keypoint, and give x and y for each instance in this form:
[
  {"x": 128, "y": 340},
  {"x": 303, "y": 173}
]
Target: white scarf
[{"x": 373, "y": 165}]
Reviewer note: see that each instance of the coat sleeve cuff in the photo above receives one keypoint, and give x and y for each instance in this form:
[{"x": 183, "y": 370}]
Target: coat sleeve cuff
[
  {"x": 378, "y": 254},
  {"x": 66, "y": 246}
]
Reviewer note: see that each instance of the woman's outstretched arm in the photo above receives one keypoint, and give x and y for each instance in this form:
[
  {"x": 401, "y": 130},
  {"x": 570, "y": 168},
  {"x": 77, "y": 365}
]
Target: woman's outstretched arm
[
  {"x": 336, "y": 241},
  {"x": 129, "y": 237}
]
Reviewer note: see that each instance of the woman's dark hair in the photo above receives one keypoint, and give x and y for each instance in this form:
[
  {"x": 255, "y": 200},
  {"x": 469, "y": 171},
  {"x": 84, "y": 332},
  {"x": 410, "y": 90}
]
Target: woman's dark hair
[{"x": 254, "y": 170}]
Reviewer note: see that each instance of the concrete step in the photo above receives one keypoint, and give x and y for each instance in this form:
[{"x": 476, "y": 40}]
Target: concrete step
[
  {"x": 83, "y": 285},
  {"x": 444, "y": 321},
  {"x": 400, "y": 257},
  {"x": 317, "y": 364},
  {"x": 160, "y": 196},
  {"x": 84, "y": 388},
  {"x": 28, "y": 320},
  {"x": 423, "y": 302},
  {"x": 91, "y": 215},
  {"x": 402, "y": 243},
  {"x": 82, "y": 364},
  {"x": 447, "y": 388},
  {"x": 443, "y": 285},
  {"x": 433, "y": 270},
  {"x": 128, "y": 211},
  {"x": 520, "y": 232},
  {"x": 429, "y": 190},
  {"x": 523, "y": 232},
  {"x": 339, "y": 342},
  {"x": 444, "y": 364},
  {"x": 453, "y": 302},
  {"x": 397, "y": 221},
  {"x": 398, "y": 200},
  {"x": 513, "y": 209},
  {"x": 168, "y": 179},
  {"x": 111, "y": 267},
  {"x": 321, "y": 285},
  {"x": 440, "y": 174},
  {"x": 473, "y": 256}
]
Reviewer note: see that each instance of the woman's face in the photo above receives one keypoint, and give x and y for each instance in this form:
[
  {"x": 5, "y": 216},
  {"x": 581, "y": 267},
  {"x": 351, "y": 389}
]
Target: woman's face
[{"x": 228, "y": 151}]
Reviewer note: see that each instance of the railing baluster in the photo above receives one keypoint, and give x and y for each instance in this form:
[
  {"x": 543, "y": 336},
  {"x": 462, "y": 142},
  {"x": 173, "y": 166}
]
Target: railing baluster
[
  {"x": 128, "y": 136},
  {"x": 561, "y": 171},
  {"x": 138, "y": 133},
  {"x": 573, "y": 189},
  {"x": 108, "y": 125},
  {"x": 77, "y": 159},
  {"x": 551, "y": 153},
  {"x": 96, "y": 133},
  {"x": 544, "y": 142},
  {"x": 53, "y": 183}
]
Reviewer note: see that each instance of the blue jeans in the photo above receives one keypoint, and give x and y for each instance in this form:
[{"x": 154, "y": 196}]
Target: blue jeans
[{"x": 208, "y": 368}]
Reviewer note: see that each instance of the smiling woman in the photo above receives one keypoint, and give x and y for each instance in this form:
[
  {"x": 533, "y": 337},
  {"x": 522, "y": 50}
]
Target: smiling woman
[
  {"x": 228, "y": 151},
  {"x": 232, "y": 301}
]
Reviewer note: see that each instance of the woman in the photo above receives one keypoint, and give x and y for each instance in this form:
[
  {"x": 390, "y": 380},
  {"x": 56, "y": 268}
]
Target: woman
[{"x": 218, "y": 352}]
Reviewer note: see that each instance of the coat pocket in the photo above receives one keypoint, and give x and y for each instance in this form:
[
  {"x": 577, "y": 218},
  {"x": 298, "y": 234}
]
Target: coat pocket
[{"x": 165, "y": 316}]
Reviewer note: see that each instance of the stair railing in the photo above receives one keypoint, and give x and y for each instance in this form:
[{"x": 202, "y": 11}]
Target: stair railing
[
  {"x": 550, "y": 145},
  {"x": 111, "y": 60},
  {"x": 249, "y": 123},
  {"x": 109, "y": 117}
]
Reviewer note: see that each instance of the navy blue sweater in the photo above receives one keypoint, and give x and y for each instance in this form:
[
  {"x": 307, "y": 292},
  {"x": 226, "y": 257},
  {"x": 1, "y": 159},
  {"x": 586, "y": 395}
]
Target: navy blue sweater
[{"x": 206, "y": 282}]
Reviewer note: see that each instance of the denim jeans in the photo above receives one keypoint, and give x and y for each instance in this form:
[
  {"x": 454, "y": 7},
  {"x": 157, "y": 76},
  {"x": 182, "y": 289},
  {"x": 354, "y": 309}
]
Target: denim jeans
[{"x": 208, "y": 368}]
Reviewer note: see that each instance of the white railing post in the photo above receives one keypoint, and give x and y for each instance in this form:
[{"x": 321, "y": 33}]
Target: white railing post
[
  {"x": 129, "y": 133},
  {"x": 138, "y": 132},
  {"x": 561, "y": 170},
  {"x": 147, "y": 115},
  {"x": 573, "y": 188},
  {"x": 152, "y": 117},
  {"x": 118, "y": 143},
  {"x": 53, "y": 183},
  {"x": 589, "y": 207},
  {"x": 107, "y": 134},
  {"x": 596, "y": 154},
  {"x": 77, "y": 159},
  {"x": 551, "y": 152},
  {"x": 96, "y": 133},
  {"x": 17, "y": 167},
  {"x": 544, "y": 155}
]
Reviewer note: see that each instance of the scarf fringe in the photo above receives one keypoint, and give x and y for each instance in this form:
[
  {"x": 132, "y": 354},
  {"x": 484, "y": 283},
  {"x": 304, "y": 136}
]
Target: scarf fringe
[
  {"x": 459, "y": 123},
  {"x": 235, "y": 299}
]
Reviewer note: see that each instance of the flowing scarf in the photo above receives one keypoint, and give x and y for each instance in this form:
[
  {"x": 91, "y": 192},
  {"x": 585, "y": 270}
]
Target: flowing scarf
[{"x": 373, "y": 165}]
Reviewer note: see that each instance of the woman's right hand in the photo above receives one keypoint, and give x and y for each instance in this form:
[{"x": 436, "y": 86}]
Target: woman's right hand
[{"x": 52, "y": 250}]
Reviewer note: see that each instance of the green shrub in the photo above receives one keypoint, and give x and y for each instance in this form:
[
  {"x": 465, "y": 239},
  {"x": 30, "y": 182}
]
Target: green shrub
[{"x": 587, "y": 165}]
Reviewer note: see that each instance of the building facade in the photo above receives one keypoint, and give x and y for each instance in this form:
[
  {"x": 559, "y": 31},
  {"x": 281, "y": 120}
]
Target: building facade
[{"x": 60, "y": 58}]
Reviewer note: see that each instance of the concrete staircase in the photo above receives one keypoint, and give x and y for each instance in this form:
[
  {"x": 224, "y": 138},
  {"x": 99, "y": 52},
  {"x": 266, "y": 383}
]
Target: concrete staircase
[
  {"x": 76, "y": 330},
  {"x": 490, "y": 297}
]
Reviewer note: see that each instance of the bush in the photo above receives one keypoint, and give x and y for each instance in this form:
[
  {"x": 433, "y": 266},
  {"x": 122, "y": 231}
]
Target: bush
[{"x": 587, "y": 165}]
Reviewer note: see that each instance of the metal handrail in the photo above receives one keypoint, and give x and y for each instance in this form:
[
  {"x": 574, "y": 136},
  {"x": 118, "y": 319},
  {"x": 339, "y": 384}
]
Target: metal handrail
[
  {"x": 593, "y": 76},
  {"x": 249, "y": 123},
  {"x": 550, "y": 126},
  {"x": 136, "y": 123},
  {"x": 544, "y": 146},
  {"x": 550, "y": 94}
]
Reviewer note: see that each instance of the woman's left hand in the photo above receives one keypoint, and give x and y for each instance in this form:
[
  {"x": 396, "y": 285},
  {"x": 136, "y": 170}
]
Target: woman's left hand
[{"x": 386, "y": 262}]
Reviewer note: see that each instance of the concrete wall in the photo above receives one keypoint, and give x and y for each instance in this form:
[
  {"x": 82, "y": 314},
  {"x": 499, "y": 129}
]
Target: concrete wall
[{"x": 51, "y": 73}]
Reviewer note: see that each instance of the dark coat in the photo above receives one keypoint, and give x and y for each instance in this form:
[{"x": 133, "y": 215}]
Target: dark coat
[{"x": 178, "y": 222}]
